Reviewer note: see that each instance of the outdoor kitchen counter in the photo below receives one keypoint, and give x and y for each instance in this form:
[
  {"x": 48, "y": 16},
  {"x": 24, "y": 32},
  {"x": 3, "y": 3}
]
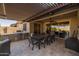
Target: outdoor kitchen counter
[{"x": 16, "y": 36}]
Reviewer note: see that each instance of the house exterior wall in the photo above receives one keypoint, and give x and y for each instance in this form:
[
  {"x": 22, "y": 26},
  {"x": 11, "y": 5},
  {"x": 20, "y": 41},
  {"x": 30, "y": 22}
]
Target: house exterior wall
[
  {"x": 27, "y": 26},
  {"x": 73, "y": 23},
  {"x": 10, "y": 30},
  {"x": 19, "y": 25},
  {"x": 1, "y": 31}
]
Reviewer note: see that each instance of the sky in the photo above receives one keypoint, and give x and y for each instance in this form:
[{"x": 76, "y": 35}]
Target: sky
[{"x": 6, "y": 22}]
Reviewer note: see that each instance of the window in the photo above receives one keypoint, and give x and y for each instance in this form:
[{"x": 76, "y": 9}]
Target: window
[{"x": 24, "y": 27}]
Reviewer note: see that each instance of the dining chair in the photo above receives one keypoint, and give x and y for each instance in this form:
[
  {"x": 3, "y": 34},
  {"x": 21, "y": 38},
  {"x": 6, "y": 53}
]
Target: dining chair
[
  {"x": 46, "y": 39},
  {"x": 33, "y": 42},
  {"x": 51, "y": 38},
  {"x": 42, "y": 42}
]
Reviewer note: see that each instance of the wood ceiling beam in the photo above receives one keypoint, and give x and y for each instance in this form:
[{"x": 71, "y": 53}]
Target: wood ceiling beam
[
  {"x": 44, "y": 12},
  {"x": 58, "y": 14}
]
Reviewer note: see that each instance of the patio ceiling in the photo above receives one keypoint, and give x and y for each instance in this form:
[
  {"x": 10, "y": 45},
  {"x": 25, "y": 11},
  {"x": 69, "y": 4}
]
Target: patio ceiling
[{"x": 27, "y": 11}]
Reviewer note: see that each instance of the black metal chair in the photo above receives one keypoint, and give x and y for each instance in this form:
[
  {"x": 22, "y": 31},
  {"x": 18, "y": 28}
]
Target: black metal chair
[
  {"x": 50, "y": 38},
  {"x": 33, "y": 42},
  {"x": 29, "y": 41},
  {"x": 42, "y": 42},
  {"x": 46, "y": 39}
]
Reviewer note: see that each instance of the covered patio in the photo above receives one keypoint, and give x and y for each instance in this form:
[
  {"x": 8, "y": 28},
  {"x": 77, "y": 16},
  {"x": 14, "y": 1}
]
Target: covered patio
[{"x": 43, "y": 29}]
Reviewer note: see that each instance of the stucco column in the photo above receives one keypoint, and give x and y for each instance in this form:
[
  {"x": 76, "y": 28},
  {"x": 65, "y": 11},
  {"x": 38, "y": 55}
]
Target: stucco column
[
  {"x": 45, "y": 26},
  {"x": 41, "y": 27},
  {"x": 78, "y": 17},
  {"x": 27, "y": 27},
  {"x": 31, "y": 27},
  {"x": 78, "y": 24},
  {"x": 74, "y": 24}
]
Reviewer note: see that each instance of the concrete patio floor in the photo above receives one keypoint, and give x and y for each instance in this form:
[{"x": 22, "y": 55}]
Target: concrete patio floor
[{"x": 21, "y": 48}]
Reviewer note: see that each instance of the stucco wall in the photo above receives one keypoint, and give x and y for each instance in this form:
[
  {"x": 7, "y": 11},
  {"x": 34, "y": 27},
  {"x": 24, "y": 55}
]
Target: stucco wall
[
  {"x": 73, "y": 25},
  {"x": 19, "y": 26},
  {"x": 1, "y": 30},
  {"x": 72, "y": 18},
  {"x": 73, "y": 22},
  {"x": 27, "y": 26},
  {"x": 59, "y": 20},
  {"x": 10, "y": 30},
  {"x": 43, "y": 27},
  {"x": 31, "y": 27}
]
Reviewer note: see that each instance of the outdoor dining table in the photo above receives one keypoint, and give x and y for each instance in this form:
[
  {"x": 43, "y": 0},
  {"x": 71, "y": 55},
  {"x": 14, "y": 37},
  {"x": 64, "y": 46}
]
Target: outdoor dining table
[{"x": 39, "y": 38}]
